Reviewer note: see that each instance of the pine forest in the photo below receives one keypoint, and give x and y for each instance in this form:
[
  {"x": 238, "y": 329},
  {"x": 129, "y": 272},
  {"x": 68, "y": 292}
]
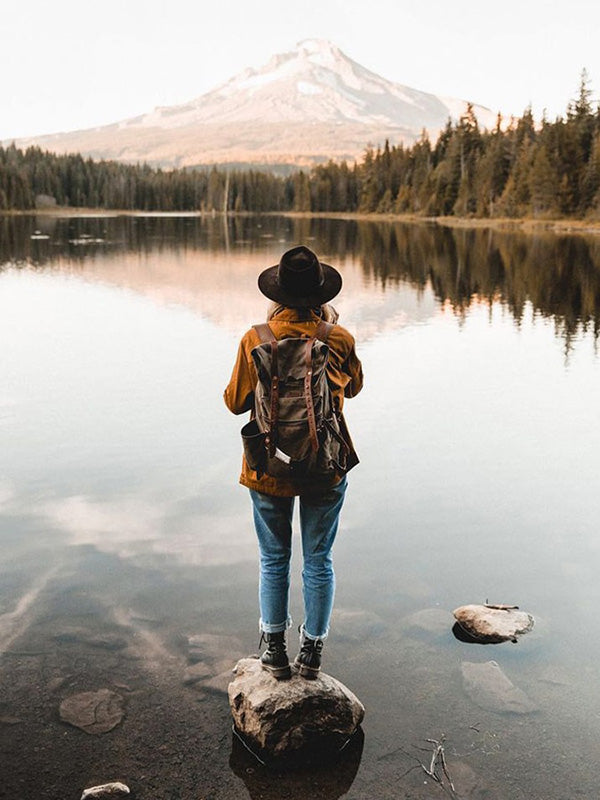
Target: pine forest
[{"x": 520, "y": 169}]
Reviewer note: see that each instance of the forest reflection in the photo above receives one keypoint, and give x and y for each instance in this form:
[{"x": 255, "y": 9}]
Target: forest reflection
[{"x": 559, "y": 275}]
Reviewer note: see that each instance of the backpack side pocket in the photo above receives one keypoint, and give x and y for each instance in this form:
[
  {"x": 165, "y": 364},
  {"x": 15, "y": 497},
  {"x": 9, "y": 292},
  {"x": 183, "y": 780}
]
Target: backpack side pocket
[{"x": 253, "y": 441}]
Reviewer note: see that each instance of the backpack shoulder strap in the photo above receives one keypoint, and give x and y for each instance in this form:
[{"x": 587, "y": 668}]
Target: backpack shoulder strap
[
  {"x": 323, "y": 331},
  {"x": 265, "y": 333}
]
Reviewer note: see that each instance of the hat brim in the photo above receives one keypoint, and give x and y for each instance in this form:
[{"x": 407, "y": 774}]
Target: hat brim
[{"x": 269, "y": 285}]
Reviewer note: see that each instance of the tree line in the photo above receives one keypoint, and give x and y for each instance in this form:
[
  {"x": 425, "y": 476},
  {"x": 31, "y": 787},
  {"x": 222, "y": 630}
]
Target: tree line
[{"x": 515, "y": 170}]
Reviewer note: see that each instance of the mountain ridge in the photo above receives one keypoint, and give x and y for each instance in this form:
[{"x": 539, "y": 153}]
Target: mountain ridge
[{"x": 302, "y": 107}]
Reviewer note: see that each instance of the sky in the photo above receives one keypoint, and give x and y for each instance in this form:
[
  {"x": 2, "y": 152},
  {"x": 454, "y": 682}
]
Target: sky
[{"x": 68, "y": 64}]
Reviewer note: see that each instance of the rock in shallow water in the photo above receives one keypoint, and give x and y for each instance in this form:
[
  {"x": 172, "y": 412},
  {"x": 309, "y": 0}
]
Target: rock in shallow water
[
  {"x": 292, "y": 718},
  {"x": 489, "y": 687},
  {"x": 106, "y": 790},
  {"x": 93, "y": 712},
  {"x": 493, "y": 624}
]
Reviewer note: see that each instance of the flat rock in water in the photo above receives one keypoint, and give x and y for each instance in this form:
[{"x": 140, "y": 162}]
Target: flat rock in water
[
  {"x": 493, "y": 624},
  {"x": 93, "y": 712},
  {"x": 106, "y": 790},
  {"x": 295, "y": 717},
  {"x": 487, "y": 685}
]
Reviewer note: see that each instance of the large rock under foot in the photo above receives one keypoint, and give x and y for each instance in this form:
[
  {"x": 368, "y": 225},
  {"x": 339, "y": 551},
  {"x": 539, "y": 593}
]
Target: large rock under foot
[{"x": 292, "y": 719}]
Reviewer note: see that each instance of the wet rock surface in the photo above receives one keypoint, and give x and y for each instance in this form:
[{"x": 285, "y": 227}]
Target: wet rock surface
[
  {"x": 106, "y": 791},
  {"x": 488, "y": 687},
  {"x": 493, "y": 624},
  {"x": 292, "y": 718},
  {"x": 93, "y": 712}
]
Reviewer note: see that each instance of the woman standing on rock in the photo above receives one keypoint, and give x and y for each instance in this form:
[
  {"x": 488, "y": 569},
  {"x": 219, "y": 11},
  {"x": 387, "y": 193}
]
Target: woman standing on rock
[{"x": 292, "y": 374}]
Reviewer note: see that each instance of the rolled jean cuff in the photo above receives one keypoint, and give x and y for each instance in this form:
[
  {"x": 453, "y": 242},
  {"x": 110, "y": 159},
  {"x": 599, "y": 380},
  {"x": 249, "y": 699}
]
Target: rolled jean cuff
[
  {"x": 308, "y": 635},
  {"x": 274, "y": 627}
]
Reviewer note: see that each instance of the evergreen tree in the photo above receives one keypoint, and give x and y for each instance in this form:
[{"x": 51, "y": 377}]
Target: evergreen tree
[{"x": 544, "y": 184}]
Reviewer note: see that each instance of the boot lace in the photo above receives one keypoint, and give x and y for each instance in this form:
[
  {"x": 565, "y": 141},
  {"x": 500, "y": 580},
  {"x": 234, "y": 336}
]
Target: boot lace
[
  {"x": 310, "y": 646},
  {"x": 273, "y": 645}
]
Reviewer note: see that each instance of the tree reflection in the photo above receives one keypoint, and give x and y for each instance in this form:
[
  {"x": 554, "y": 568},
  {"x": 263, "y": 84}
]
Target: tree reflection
[{"x": 559, "y": 275}]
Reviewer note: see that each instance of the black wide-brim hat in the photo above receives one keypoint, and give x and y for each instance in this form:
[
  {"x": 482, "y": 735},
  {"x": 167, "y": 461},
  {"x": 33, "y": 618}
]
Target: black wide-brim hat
[{"x": 300, "y": 280}]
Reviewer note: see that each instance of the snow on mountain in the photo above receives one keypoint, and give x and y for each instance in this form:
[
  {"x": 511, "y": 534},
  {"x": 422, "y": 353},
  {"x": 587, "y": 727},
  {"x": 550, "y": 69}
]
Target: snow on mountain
[{"x": 304, "y": 106}]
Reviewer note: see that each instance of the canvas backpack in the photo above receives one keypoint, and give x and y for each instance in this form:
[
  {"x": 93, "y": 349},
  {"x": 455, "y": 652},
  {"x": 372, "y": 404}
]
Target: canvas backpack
[{"x": 295, "y": 430}]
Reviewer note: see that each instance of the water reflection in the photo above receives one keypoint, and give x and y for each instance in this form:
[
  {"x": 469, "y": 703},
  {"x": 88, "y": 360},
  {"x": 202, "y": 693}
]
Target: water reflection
[
  {"x": 124, "y": 536},
  {"x": 323, "y": 782},
  {"x": 193, "y": 260}
]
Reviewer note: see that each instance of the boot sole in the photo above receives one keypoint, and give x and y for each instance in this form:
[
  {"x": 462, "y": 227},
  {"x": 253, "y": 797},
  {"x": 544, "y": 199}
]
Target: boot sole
[
  {"x": 279, "y": 673},
  {"x": 310, "y": 673}
]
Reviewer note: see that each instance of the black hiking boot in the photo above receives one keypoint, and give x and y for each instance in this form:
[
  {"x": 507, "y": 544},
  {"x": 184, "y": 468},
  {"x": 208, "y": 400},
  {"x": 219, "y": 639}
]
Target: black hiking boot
[
  {"x": 274, "y": 659},
  {"x": 308, "y": 659}
]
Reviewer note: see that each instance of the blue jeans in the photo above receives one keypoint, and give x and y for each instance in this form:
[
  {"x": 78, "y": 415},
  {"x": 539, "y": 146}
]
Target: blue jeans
[{"x": 319, "y": 518}]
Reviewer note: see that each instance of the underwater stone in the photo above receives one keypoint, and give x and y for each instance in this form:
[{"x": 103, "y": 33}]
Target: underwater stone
[
  {"x": 487, "y": 685},
  {"x": 93, "y": 712}
]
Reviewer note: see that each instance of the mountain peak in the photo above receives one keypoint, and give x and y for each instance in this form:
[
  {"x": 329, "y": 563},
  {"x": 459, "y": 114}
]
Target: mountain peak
[
  {"x": 320, "y": 48},
  {"x": 303, "y": 106}
]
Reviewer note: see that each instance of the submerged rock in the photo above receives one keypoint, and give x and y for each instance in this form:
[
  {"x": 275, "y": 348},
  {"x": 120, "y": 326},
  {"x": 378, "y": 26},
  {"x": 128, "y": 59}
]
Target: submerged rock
[
  {"x": 491, "y": 624},
  {"x": 93, "y": 712},
  {"x": 212, "y": 659},
  {"x": 212, "y": 647},
  {"x": 106, "y": 790},
  {"x": 355, "y": 625},
  {"x": 471, "y": 785},
  {"x": 487, "y": 685},
  {"x": 292, "y": 718},
  {"x": 197, "y": 672},
  {"x": 434, "y": 622}
]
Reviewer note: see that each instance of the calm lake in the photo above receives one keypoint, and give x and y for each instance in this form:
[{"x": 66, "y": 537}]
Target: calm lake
[{"x": 124, "y": 533}]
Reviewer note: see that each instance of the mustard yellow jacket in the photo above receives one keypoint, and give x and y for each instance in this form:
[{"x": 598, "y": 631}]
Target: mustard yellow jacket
[{"x": 344, "y": 372}]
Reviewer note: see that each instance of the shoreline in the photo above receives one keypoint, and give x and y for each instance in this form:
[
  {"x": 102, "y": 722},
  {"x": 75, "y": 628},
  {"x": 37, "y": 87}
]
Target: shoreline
[{"x": 510, "y": 224}]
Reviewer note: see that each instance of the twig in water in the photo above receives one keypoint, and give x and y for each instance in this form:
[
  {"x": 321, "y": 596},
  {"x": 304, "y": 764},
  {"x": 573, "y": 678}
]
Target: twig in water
[
  {"x": 438, "y": 768},
  {"x": 500, "y": 606}
]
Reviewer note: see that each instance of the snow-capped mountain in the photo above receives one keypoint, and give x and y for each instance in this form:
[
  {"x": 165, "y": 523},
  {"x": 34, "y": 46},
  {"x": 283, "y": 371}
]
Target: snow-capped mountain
[{"x": 304, "y": 106}]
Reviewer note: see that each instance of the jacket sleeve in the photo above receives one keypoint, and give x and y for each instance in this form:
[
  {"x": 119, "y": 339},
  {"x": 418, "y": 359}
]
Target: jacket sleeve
[
  {"x": 239, "y": 394},
  {"x": 353, "y": 368}
]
